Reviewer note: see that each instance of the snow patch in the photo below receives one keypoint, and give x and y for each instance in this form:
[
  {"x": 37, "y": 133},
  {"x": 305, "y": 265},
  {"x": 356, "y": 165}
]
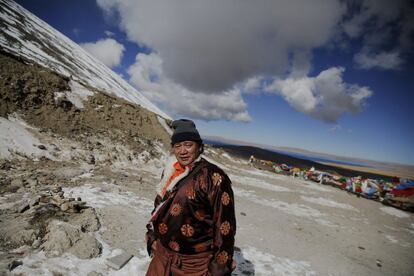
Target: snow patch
[
  {"x": 254, "y": 182},
  {"x": 226, "y": 156},
  {"x": 313, "y": 186},
  {"x": 163, "y": 123},
  {"x": 394, "y": 212},
  {"x": 294, "y": 209},
  {"x": 109, "y": 195},
  {"x": 251, "y": 260},
  {"x": 328, "y": 202},
  {"x": 68, "y": 264},
  {"x": 392, "y": 239},
  {"x": 77, "y": 96},
  {"x": 14, "y": 137}
]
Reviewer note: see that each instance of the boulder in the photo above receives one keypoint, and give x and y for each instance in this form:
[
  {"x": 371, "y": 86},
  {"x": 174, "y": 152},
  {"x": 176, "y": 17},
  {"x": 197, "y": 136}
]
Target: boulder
[
  {"x": 87, "y": 220},
  {"x": 18, "y": 183},
  {"x": 32, "y": 182},
  {"x": 34, "y": 201},
  {"x": 64, "y": 237}
]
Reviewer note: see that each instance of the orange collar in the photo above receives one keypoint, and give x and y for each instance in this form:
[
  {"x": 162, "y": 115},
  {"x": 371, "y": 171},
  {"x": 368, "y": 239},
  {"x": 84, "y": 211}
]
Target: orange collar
[{"x": 178, "y": 171}]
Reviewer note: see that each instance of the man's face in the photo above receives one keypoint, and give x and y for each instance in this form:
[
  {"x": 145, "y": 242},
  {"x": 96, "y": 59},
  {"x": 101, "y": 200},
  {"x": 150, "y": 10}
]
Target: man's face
[{"x": 186, "y": 152}]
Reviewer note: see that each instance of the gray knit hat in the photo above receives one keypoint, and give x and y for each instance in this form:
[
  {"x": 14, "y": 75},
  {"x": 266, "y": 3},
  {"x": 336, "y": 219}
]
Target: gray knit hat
[{"x": 184, "y": 130}]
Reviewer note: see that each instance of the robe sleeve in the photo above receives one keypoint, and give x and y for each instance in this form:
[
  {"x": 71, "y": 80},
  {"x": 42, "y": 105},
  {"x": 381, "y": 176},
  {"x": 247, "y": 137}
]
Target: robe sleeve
[
  {"x": 222, "y": 199},
  {"x": 150, "y": 235}
]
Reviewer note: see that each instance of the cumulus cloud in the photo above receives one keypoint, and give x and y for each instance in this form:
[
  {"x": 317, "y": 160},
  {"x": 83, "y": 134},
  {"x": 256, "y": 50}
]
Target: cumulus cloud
[
  {"x": 207, "y": 54},
  {"x": 335, "y": 128},
  {"x": 109, "y": 33},
  {"x": 108, "y": 51},
  {"x": 209, "y": 46},
  {"x": 384, "y": 60},
  {"x": 148, "y": 76},
  {"x": 377, "y": 23},
  {"x": 325, "y": 97}
]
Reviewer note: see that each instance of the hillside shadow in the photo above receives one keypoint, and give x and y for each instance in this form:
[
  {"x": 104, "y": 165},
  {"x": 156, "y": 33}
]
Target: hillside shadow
[{"x": 244, "y": 267}]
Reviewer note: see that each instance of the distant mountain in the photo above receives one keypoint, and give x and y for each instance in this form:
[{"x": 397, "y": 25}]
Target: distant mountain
[
  {"x": 24, "y": 35},
  {"x": 280, "y": 158},
  {"x": 354, "y": 164}
]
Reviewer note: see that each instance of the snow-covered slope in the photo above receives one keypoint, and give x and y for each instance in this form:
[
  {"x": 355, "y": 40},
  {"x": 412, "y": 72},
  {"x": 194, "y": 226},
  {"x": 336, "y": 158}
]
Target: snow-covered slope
[{"x": 23, "y": 34}]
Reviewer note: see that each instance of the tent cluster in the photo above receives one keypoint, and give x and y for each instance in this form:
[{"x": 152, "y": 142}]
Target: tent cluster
[{"x": 399, "y": 192}]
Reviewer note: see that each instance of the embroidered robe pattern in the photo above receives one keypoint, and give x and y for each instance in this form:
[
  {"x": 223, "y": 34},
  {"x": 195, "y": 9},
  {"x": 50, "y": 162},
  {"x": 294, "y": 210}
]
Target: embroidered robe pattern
[{"x": 198, "y": 217}]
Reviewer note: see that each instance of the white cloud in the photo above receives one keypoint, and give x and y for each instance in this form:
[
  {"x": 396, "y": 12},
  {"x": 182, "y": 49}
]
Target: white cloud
[
  {"x": 109, "y": 33},
  {"x": 148, "y": 76},
  {"x": 384, "y": 60},
  {"x": 386, "y": 29},
  {"x": 381, "y": 12},
  {"x": 210, "y": 46},
  {"x": 252, "y": 85},
  {"x": 208, "y": 54},
  {"x": 108, "y": 51},
  {"x": 325, "y": 97},
  {"x": 335, "y": 128}
]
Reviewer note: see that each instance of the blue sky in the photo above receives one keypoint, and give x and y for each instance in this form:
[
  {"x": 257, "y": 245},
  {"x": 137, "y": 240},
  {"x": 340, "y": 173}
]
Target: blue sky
[{"x": 336, "y": 79}]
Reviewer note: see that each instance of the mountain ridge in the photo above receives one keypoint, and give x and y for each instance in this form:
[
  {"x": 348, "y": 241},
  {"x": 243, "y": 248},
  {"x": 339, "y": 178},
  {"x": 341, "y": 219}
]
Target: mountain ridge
[{"x": 25, "y": 35}]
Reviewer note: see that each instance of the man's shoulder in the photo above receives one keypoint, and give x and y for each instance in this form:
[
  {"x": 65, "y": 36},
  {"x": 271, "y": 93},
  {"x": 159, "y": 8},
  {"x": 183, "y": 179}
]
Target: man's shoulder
[{"x": 211, "y": 167}]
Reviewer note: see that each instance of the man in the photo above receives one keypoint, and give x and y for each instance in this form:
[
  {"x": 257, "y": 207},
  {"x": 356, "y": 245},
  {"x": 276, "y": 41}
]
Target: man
[{"x": 192, "y": 228}]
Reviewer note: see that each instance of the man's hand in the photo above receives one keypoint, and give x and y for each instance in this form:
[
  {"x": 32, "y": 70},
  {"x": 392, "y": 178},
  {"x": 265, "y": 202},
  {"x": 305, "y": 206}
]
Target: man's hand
[
  {"x": 233, "y": 265},
  {"x": 154, "y": 246}
]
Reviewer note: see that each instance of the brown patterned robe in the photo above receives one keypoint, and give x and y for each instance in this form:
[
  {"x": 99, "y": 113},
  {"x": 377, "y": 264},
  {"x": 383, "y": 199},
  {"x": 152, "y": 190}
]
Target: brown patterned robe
[{"x": 197, "y": 215}]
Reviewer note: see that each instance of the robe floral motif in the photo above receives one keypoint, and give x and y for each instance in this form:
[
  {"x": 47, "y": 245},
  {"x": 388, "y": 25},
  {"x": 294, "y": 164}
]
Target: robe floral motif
[{"x": 196, "y": 214}]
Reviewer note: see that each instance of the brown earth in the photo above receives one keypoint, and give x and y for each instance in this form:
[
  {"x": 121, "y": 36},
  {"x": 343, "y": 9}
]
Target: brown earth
[{"x": 29, "y": 90}]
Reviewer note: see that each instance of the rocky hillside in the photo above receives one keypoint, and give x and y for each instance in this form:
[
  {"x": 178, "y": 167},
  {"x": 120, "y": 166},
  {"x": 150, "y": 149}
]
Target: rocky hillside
[
  {"x": 65, "y": 117},
  {"x": 25, "y": 35}
]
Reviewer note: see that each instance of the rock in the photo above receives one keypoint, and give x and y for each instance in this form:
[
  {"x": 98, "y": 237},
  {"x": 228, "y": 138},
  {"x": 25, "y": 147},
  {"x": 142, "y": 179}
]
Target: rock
[
  {"x": 379, "y": 263},
  {"x": 57, "y": 189},
  {"x": 64, "y": 237},
  {"x": 57, "y": 199},
  {"x": 37, "y": 243},
  {"x": 119, "y": 261},
  {"x": 91, "y": 160},
  {"x": 42, "y": 147},
  {"x": 34, "y": 201},
  {"x": 64, "y": 207},
  {"x": 32, "y": 182},
  {"x": 87, "y": 220},
  {"x": 44, "y": 199},
  {"x": 87, "y": 247},
  {"x": 17, "y": 183},
  {"x": 47, "y": 208},
  {"x": 13, "y": 264},
  {"x": 94, "y": 273},
  {"x": 23, "y": 208},
  {"x": 243, "y": 213},
  {"x": 6, "y": 165},
  {"x": 77, "y": 205},
  {"x": 26, "y": 236}
]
